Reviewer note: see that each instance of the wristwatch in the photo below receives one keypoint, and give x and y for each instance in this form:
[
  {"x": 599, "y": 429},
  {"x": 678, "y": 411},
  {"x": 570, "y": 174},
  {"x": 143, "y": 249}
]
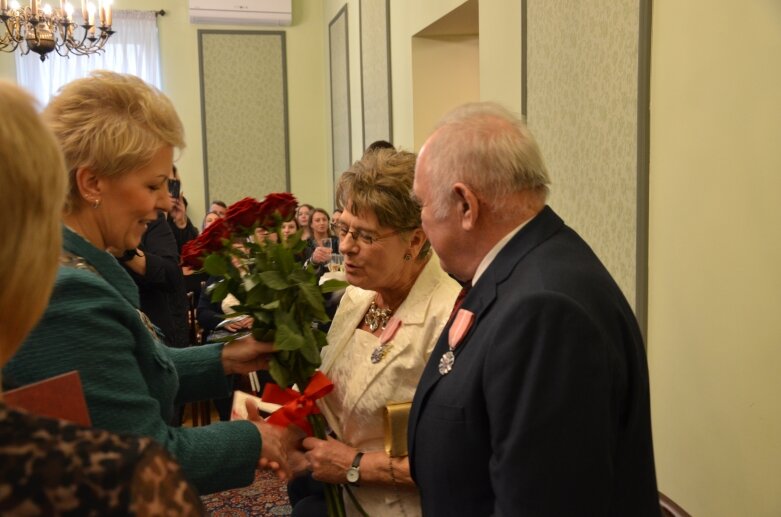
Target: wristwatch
[{"x": 354, "y": 472}]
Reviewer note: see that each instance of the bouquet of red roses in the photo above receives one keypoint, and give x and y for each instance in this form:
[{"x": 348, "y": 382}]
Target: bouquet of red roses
[{"x": 266, "y": 274}]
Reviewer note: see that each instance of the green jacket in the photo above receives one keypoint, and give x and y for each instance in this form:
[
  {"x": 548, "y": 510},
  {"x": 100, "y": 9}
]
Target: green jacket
[{"x": 132, "y": 381}]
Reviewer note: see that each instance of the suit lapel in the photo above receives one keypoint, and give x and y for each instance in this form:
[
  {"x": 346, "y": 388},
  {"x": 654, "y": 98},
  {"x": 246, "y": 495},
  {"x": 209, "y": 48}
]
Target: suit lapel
[{"x": 479, "y": 301}]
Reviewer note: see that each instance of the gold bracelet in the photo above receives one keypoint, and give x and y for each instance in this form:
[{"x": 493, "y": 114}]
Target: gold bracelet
[{"x": 396, "y": 485}]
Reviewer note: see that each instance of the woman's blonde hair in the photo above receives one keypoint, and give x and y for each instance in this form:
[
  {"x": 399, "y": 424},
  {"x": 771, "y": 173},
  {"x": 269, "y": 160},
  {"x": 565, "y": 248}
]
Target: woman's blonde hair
[
  {"x": 381, "y": 182},
  {"x": 32, "y": 194},
  {"x": 112, "y": 124}
]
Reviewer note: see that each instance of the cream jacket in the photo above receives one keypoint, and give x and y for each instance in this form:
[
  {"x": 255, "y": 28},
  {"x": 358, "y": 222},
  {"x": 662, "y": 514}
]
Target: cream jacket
[{"x": 354, "y": 409}]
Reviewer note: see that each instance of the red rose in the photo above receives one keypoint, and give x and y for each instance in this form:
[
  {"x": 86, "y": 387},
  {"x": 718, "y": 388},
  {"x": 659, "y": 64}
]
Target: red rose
[
  {"x": 282, "y": 203},
  {"x": 244, "y": 213},
  {"x": 192, "y": 254},
  {"x": 211, "y": 238}
]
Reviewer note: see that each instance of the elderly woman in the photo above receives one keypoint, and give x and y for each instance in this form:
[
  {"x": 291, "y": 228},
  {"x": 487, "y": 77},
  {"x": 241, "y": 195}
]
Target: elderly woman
[
  {"x": 43, "y": 459},
  {"x": 382, "y": 334},
  {"x": 118, "y": 136}
]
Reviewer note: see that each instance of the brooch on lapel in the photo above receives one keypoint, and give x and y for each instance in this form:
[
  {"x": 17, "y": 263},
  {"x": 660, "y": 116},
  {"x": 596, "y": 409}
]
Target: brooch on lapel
[
  {"x": 389, "y": 330},
  {"x": 458, "y": 330}
]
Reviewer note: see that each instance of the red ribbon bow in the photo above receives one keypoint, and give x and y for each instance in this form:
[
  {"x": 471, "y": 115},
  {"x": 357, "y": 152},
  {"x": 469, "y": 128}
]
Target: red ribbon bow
[{"x": 297, "y": 406}]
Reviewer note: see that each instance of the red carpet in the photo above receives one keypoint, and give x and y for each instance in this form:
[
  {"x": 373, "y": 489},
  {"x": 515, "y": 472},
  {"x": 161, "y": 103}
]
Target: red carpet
[{"x": 266, "y": 496}]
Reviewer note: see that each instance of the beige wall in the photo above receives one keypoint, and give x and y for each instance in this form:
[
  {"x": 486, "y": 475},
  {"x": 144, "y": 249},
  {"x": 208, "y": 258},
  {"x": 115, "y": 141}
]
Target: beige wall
[
  {"x": 715, "y": 250},
  {"x": 310, "y": 179},
  {"x": 445, "y": 73}
]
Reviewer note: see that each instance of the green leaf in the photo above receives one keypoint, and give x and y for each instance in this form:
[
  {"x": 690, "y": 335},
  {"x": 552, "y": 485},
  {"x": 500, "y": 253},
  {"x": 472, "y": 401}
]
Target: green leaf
[
  {"x": 320, "y": 338},
  {"x": 288, "y": 339},
  {"x": 314, "y": 300},
  {"x": 329, "y": 286},
  {"x": 284, "y": 258},
  {"x": 265, "y": 318},
  {"x": 310, "y": 351},
  {"x": 216, "y": 265},
  {"x": 279, "y": 373},
  {"x": 220, "y": 291},
  {"x": 274, "y": 280}
]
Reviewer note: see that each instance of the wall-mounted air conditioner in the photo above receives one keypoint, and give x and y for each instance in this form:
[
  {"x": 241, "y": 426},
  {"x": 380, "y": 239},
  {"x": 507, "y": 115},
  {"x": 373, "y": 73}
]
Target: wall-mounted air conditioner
[{"x": 254, "y": 12}]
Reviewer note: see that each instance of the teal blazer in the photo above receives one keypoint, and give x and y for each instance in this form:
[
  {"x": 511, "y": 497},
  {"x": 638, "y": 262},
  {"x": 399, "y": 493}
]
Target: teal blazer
[{"x": 131, "y": 380}]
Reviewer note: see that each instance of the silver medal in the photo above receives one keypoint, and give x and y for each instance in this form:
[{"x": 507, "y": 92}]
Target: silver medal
[{"x": 446, "y": 362}]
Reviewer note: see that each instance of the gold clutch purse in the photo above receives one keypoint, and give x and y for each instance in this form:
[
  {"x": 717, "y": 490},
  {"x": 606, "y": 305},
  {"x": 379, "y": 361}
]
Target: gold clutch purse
[{"x": 396, "y": 417}]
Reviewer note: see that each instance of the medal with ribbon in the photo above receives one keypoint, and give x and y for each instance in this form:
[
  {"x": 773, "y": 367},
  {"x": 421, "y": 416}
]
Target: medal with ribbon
[
  {"x": 297, "y": 406},
  {"x": 459, "y": 328}
]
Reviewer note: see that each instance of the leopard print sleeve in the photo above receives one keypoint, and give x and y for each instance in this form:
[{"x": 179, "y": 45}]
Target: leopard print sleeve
[{"x": 158, "y": 487}]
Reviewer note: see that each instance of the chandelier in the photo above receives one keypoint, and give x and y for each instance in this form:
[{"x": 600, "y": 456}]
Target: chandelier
[{"x": 44, "y": 29}]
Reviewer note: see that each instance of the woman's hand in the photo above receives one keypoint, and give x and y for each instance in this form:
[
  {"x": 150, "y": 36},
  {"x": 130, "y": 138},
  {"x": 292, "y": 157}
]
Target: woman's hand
[
  {"x": 329, "y": 459},
  {"x": 245, "y": 355},
  {"x": 321, "y": 255},
  {"x": 296, "y": 460},
  {"x": 273, "y": 454},
  {"x": 244, "y": 323}
]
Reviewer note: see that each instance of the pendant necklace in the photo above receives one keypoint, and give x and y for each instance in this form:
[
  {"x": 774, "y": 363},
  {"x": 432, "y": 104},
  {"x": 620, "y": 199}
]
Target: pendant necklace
[{"x": 377, "y": 317}]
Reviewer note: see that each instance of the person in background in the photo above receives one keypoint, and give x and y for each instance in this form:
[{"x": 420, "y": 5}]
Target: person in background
[
  {"x": 118, "y": 135},
  {"x": 182, "y": 228},
  {"x": 535, "y": 399},
  {"x": 219, "y": 208},
  {"x": 209, "y": 219},
  {"x": 321, "y": 244},
  {"x": 384, "y": 329},
  {"x": 379, "y": 144},
  {"x": 195, "y": 281},
  {"x": 302, "y": 217},
  {"x": 154, "y": 267},
  {"x": 47, "y": 466},
  {"x": 337, "y": 213},
  {"x": 289, "y": 228}
]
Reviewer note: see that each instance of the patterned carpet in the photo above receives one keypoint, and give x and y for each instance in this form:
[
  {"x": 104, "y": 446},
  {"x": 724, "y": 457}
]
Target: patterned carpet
[{"x": 266, "y": 496}]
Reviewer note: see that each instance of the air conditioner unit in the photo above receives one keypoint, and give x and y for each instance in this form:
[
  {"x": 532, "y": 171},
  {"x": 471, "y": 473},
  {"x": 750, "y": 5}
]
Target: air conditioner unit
[{"x": 251, "y": 12}]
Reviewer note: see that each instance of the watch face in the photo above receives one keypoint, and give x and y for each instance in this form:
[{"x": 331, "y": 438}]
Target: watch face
[{"x": 353, "y": 475}]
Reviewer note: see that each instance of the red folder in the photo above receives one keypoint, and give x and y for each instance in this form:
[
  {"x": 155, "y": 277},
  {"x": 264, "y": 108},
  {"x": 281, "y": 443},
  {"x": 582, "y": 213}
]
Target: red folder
[{"x": 58, "y": 397}]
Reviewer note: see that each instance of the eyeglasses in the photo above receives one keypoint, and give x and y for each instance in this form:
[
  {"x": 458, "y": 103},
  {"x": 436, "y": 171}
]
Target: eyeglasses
[{"x": 362, "y": 236}]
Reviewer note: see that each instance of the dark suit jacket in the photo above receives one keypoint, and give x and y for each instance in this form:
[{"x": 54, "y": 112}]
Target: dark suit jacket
[
  {"x": 546, "y": 410},
  {"x": 163, "y": 298}
]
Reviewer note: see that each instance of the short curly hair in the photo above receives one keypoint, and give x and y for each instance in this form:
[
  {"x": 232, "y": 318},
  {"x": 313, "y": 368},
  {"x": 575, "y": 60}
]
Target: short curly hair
[
  {"x": 381, "y": 183},
  {"x": 111, "y": 123}
]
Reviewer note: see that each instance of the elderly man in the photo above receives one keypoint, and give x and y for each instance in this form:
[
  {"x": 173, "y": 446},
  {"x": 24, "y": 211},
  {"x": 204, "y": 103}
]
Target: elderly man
[{"x": 535, "y": 400}]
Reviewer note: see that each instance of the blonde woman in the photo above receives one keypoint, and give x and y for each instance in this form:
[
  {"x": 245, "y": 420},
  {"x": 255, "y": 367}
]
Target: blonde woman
[
  {"x": 118, "y": 136},
  {"x": 42, "y": 459}
]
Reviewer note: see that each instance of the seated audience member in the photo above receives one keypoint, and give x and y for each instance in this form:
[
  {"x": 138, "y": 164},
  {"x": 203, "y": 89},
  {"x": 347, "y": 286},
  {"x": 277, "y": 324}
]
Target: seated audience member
[
  {"x": 337, "y": 213},
  {"x": 117, "y": 186},
  {"x": 181, "y": 226},
  {"x": 209, "y": 219},
  {"x": 302, "y": 218},
  {"x": 219, "y": 208},
  {"x": 193, "y": 280},
  {"x": 384, "y": 330},
  {"x": 321, "y": 244},
  {"x": 52, "y": 467}
]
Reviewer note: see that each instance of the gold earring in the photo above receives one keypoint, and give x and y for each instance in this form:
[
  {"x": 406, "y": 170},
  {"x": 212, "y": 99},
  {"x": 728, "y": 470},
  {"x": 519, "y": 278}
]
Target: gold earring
[
  {"x": 407, "y": 256},
  {"x": 96, "y": 203}
]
